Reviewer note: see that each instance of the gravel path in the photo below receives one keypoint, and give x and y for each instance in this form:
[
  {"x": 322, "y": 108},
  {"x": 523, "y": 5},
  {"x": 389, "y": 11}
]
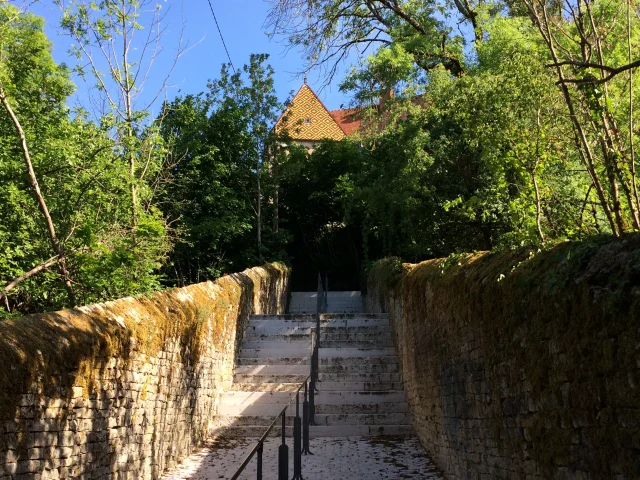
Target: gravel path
[{"x": 349, "y": 458}]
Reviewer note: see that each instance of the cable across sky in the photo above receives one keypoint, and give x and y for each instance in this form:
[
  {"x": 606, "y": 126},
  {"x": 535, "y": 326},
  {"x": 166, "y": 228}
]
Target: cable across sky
[{"x": 221, "y": 37}]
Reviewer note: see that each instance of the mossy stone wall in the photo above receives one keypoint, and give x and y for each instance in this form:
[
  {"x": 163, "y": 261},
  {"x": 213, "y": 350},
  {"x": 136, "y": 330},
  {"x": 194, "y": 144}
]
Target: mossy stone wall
[
  {"x": 525, "y": 364},
  {"x": 127, "y": 388}
]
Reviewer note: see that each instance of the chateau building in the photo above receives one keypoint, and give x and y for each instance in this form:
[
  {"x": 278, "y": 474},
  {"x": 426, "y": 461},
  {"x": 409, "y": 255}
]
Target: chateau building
[{"x": 308, "y": 121}]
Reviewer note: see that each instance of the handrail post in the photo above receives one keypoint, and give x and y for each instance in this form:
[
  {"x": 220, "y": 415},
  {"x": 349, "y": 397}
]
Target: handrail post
[
  {"x": 305, "y": 423},
  {"x": 316, "y": 350},
  {"x": 326, "y": 293},
  {"x": 320, "y": 296},
  {"x": 297, "y": 442},
  {"x": 312, "y": 386},
  {"x": 260, "y": 449},
  {"x": 283, "y": 451}
]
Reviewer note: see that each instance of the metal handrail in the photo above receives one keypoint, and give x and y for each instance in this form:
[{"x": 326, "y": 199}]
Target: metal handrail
[
  {"x": 260, "y": 443},
  {"x": 301, "y": 431}
]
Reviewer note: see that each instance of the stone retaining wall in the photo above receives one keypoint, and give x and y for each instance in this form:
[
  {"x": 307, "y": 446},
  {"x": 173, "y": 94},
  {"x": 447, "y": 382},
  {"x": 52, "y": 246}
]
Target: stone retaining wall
[
  {"x": 521, "y": 365},
  {"x": 124, "y": 389}
]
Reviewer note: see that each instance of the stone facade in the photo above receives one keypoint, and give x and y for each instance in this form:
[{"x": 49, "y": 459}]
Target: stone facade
[
  {"x": 127, "y": 388},
  {"x": 521, "y": 365}
]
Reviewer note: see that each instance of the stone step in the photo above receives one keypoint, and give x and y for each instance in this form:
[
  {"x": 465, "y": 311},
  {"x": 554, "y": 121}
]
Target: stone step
[
  {"x": 284, "y": 347},
  {"x": 359, "y": 377},
  {"x": 356, "y": 352},
  {"x": 270, "y": 378},
  {"x": 359, "y": 360},
  {"x": 355, "y": 365},
  {"x": 329, "y": 419},
  {"x": 329, "y": 329},
  {"x": 360, "y": 430},
  {"x": 362, "y": 344},
  {"x": 315, "y": 431},
  {"x": 272, "y": 326},
  {"x": 255, "y": 398},
  {"x": 272, "y": 369},
  {"x": 358, "y": 386},
  {"x": 280, "y": 361},
  {"x": 359, "y": 368},
  {"x": 249, "y": 420},
  {"x": 403, "y": 418},
  {"x": 265, "y": 387},
  {"x": 356, "y": 398},
  {"x": 277, "y": 330},
  {"x": 276, "y": 337},
  {"x": 323, "y": 316},
  {"x": 351, "y": 334},
  {"x": 330, "y": 323},
  {"x": 260, "y": 409},
  {"x": 361, "y": 409},
  {"x": 275, "y": 352},
  {"x": 272, "y": 409},
  {"x": 306, "y": 317},
  {"x": 250, "y": 431}
]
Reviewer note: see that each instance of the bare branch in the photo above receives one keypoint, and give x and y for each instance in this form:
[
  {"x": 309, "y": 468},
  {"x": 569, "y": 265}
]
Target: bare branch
[
  {"x": 57, "y": 247},
  {"x": 34, "y": 271}
]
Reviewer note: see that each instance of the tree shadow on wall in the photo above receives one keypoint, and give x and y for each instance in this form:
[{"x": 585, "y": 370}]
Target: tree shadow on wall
[{"x": 68, "y": 377}]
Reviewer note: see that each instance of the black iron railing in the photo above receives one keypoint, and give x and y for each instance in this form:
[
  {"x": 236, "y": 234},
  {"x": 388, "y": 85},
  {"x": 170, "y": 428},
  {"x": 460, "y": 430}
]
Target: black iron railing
[
  {"x": 300, "y": 439},
  {"x": 300, "y": 425},
  {"x": 321, "y": 307}
]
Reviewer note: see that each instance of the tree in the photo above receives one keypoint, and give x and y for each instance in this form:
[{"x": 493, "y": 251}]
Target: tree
[
  {"x": 591, "y": 51},
  {"x": 254, "y": 98},
  {"x": 432, "y": 33},
  {"x": 16, "y": 31},
  {"x": 220, "y": 142},
  {"x": 84, "y": 186},
  {"x": 106, "y": 33}
]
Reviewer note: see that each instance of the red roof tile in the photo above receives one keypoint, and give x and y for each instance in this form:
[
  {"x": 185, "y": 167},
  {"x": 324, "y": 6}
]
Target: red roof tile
[{"x": 349, "y": 119}]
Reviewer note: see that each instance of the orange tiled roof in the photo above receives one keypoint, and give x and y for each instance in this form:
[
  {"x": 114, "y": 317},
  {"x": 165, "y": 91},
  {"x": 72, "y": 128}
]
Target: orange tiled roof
[{"x": 308, "y": 119}]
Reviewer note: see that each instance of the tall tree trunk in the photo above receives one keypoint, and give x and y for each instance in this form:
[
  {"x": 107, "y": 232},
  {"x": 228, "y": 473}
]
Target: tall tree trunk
[
  {"x": 610, "y": 147},
  {"x": 259, "y": 211},
  {"x": 275, "y": 171},
  {"x": 55, "y": 244},
  {"x": 541, "y": 20},
  {"x": 535, "y": 179},
  {"x": 129, "y": 120},
  {"x": 632, "y": 157}
]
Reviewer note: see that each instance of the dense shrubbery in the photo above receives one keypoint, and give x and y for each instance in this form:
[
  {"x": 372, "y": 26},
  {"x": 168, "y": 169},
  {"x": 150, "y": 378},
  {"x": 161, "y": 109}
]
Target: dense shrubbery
[{"x": 502, "y": 133}]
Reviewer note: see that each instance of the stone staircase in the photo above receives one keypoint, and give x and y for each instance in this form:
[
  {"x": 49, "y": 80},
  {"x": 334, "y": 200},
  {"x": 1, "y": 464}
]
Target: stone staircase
[{"x": 360, "y": 389}]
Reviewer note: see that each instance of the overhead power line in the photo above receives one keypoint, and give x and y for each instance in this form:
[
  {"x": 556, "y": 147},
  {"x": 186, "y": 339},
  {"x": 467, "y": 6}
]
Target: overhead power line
[{"x": 221, "y": 37}]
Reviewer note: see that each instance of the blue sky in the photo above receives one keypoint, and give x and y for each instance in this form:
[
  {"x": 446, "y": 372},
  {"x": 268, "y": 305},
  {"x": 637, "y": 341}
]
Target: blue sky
[{"x": 242, "y": 24}]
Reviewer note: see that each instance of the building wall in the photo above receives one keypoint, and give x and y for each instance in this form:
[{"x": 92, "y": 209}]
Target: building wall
[{"x": 127, "y": 388}]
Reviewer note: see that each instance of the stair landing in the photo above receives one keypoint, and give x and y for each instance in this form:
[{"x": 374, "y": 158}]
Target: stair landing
[{"x": 337, "y": 302}]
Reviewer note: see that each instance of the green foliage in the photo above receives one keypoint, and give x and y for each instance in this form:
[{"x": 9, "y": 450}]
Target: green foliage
[
  {"x": 471, "y": 149},
  {"x": 218, "y": 142},
  {"x": 81, "y": 177},
  {"x": 476, "y": 162}
]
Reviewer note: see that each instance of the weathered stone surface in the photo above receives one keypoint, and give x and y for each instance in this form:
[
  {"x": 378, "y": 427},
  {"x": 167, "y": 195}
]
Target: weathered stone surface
[
  {"x": 347, "y": 458},
  {"x": 127, "y": 388},
  {"x": 521, "y": 364}
]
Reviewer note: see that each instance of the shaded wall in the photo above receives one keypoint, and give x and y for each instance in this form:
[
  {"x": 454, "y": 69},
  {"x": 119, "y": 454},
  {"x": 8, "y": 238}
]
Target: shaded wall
[
  {"x": 127, "y": 388},
  {"x": 521, "y": 364}
]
